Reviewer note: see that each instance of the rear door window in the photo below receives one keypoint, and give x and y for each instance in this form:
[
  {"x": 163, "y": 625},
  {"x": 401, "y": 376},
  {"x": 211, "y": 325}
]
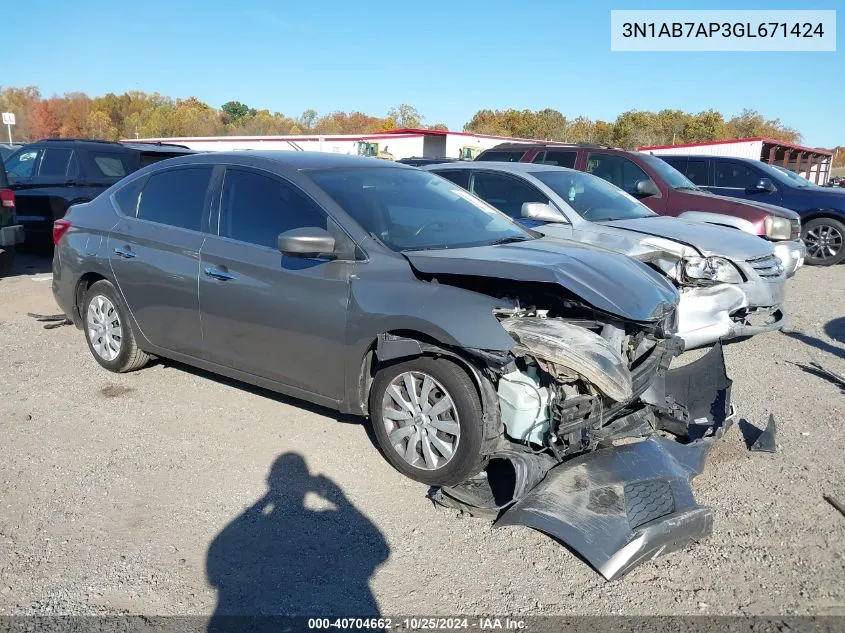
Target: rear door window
[
  {"x": 506, "y": 193},
  {"x": 554, "y": 157},
  {"x": 176, "y": 197},
  {"x": 256, "y": 208},
  {"x": 696, "y": 171},
  {"x": 54, "y": 163},
  {"x": 502, "y": 156},
  {"x": 458, "y": 176}
]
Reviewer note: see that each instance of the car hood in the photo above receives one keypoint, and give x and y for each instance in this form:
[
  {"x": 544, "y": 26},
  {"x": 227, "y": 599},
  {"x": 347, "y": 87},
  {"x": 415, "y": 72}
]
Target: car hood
[
  {"x": 610, "y": 282},
  {"x": 707, "y": 239},
  {"x": 821, "y": 198},
  {"x": 735, "y": 204}
]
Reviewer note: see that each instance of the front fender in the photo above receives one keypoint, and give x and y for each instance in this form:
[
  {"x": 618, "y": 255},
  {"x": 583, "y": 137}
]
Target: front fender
[{"x": 450, "y": 316}]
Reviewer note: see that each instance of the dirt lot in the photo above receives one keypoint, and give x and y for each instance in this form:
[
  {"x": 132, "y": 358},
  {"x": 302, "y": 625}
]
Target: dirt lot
[{"x": 159, "y": 492}]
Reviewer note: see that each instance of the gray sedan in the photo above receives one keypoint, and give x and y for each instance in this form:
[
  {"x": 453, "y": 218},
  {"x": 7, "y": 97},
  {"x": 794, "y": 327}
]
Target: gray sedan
[
  {"x": 731, "y": 284},
  {"x": 473, "y": 344}
]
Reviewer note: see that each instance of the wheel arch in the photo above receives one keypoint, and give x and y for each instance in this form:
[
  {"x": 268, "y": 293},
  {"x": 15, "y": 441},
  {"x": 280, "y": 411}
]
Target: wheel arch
[
  {"x": 815, "y": 214},
  {"x": 84, "y": 282},
  {"x": 402, "y": 345}
]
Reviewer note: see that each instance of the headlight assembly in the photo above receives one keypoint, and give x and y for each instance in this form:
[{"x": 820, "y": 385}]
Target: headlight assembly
[
  {"x": 712, "y": 269},
  {"x": 778, "y": 228}
]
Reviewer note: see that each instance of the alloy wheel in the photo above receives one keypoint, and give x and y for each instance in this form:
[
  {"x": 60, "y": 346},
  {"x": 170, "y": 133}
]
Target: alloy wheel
[
  {"x": 823, "y": 242},
  {"x": 421, "y": 420}
]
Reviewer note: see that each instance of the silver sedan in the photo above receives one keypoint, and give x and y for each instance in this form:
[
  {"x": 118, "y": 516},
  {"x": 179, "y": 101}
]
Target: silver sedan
[{"x": 731, "y": 283}]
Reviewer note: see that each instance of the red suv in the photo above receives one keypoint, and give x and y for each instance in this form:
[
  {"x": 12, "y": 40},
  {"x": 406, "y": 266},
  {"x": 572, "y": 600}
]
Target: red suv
[{"x": 666, "y": 191}]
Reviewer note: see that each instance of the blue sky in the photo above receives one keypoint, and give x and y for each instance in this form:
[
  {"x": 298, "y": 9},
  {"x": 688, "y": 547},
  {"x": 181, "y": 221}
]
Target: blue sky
[{"x": 448, "y": 59}]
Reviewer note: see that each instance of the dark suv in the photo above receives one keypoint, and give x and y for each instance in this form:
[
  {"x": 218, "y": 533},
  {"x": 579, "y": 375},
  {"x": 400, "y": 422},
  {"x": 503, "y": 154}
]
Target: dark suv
[
  {"x": 822, "y": 210},
  {"x": 666, "y": 191},
  {"x": 50, "y": 175}
]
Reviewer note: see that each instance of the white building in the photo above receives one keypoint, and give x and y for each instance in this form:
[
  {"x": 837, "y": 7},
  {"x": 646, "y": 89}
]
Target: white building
[
  {"x": 401, "y": 143},
  {"x": 811, "y": 163}
]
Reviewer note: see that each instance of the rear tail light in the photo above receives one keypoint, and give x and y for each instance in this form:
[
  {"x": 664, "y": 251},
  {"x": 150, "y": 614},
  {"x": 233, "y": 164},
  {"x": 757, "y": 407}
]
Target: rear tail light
[
  {"x": 60, "y": 227},
  {"x": 7, "y": 198}
]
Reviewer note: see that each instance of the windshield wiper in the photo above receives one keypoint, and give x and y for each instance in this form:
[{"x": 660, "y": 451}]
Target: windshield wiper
[
  {"x": 686, "y": 188},
  {"x": 425, "y": 248},
  {"x": 509, "y": 240}
]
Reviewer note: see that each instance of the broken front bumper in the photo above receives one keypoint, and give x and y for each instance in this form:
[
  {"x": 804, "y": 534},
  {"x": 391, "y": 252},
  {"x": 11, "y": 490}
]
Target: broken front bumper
[
  {"x": 709, "y": 313},
  {"x": 621, "y": 505}
]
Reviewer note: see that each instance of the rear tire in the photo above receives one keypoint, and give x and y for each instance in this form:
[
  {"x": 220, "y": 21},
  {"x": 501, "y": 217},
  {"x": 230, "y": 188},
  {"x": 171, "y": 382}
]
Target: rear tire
[
  {"x": 825, "y": 241},
  {"x": 434, "y": 435},
  {"x": 108, "y": 330}
]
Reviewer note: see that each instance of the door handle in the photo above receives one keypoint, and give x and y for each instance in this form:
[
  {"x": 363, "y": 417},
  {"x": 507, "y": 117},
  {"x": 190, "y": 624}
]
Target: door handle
[
  {"x": 124, "y": 252},
  {"x": 222, "y": 275}
]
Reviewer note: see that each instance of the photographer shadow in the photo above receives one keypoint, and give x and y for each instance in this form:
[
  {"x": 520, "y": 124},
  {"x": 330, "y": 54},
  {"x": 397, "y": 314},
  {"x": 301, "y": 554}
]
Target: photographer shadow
[{"x": 283, "y": 557}]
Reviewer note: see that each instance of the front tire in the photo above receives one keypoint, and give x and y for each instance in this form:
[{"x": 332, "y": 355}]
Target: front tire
[
  {"x": 428, "y": 420},
  {"x": 825, "y": 241},
  {"x": 108, "y": 330}
]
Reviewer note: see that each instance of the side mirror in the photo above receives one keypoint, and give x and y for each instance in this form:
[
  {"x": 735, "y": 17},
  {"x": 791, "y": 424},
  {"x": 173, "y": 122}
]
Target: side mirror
[
  {"x": 647, "y": 188},
  {"x": 542, "y": 212},
  {"x": 765, "y": 185},
  {"x": 307, "y": 241}
]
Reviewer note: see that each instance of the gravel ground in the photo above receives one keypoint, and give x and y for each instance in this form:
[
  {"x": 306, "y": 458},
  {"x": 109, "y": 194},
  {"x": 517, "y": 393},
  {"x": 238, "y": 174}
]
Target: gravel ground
[{"x": 164, "y": 490}]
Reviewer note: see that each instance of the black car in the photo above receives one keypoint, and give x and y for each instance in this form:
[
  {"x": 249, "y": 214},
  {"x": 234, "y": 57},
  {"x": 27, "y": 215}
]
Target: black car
[
  {"x": 50, "y": 175},
  {"x": 419, "y": 161}
]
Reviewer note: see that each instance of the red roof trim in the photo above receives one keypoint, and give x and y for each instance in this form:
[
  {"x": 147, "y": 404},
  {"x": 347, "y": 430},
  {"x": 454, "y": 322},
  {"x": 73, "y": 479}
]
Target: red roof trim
[{"x": 769, "y": 141}]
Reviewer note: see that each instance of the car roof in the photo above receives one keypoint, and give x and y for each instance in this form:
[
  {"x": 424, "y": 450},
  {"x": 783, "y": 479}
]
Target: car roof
[
  {"x": 90, "y": 143},
  {"x": 545, "y": 145},
  {"x": 512, "y": 168},
  {"x": 703, "y": 156},
  {"x": 289, "y": 159}
]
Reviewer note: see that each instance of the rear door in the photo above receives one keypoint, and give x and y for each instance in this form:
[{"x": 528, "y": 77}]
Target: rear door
[
  {"x": 271, "y": 315},
  {"x": 696, "y": 169},
  {"x": 154, "y": 253}
]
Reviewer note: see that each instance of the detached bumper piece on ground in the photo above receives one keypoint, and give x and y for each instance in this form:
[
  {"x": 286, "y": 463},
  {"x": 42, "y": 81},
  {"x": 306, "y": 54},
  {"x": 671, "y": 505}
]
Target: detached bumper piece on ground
[{"x": 620, "y": 505}]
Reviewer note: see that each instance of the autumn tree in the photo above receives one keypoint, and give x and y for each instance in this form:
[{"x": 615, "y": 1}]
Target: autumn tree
[
  {"x": 405, "y": 116},
  {"x": 44, "y": 119}
]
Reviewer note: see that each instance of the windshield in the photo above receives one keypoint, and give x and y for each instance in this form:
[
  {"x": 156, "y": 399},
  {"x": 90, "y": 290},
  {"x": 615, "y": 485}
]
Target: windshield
[
  {"x": 408, "y": 209},
  {"x": 591, "y": 197},
  {"x": 670, "y": 175},
  {"x": 798, "y": 181},
  {"x": 790, "y": 178}
]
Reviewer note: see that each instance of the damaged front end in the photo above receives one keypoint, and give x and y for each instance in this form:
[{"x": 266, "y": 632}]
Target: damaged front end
[{"x": 575, "y": 390}]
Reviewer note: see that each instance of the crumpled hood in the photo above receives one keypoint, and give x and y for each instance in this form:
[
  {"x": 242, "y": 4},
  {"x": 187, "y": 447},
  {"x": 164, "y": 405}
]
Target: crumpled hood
[
  {"x": 706, "y": 238},
  {"x": 608, "y": 281}
]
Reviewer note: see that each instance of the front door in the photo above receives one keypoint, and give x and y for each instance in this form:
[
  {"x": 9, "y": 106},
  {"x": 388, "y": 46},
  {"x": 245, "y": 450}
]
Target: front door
[
  {"x": 738, "y": 180},
  {"x": 154, "y": 254},
  {"x": 271, "y": 315}
]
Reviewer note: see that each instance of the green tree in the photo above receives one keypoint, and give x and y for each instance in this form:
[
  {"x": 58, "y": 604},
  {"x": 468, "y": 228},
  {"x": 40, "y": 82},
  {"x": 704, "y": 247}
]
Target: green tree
[{"x": 235, "y": 110}]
